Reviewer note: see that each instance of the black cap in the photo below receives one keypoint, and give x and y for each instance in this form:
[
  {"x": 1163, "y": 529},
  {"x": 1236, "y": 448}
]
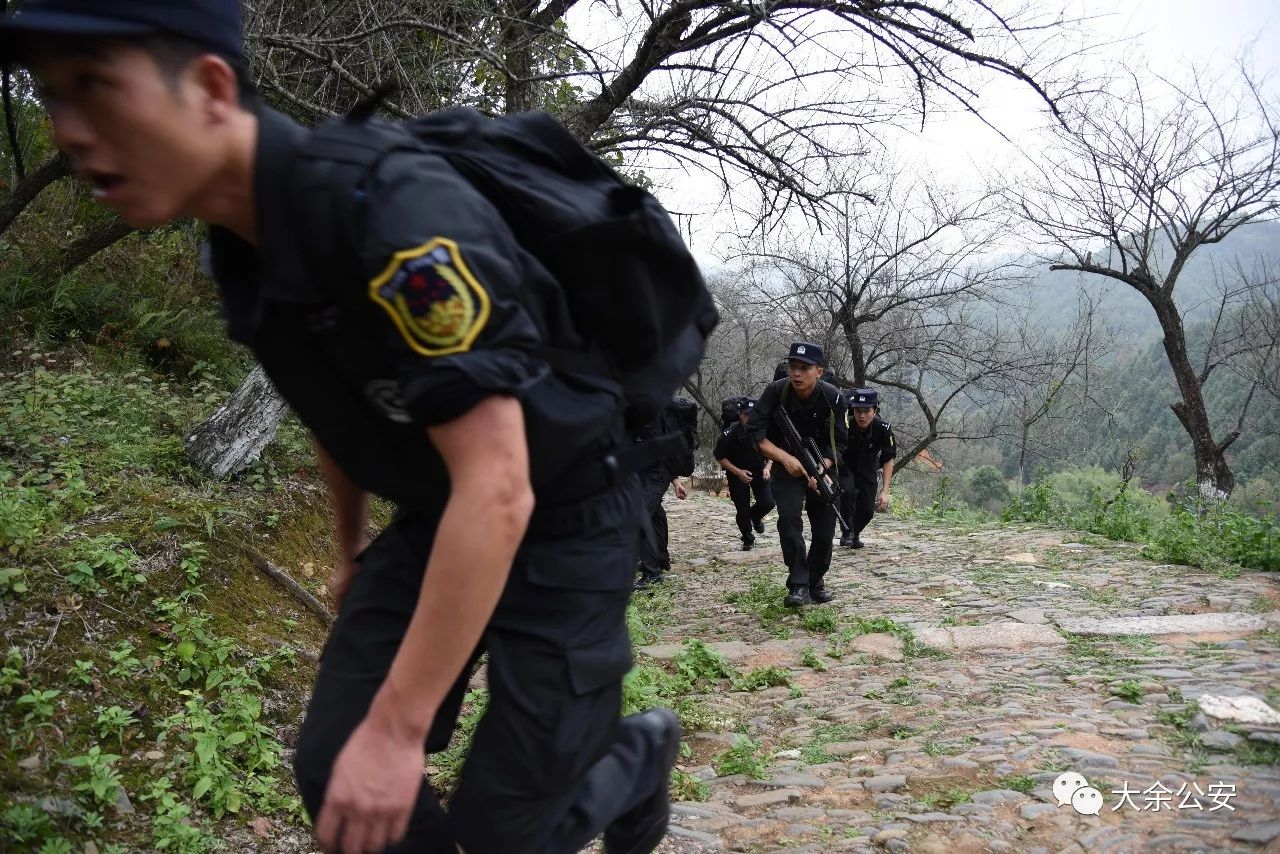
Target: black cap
[
  {"x": 863, "y": 398},
  {"x": 805, "y": 352},
  {"x": 213, "y": 23}
]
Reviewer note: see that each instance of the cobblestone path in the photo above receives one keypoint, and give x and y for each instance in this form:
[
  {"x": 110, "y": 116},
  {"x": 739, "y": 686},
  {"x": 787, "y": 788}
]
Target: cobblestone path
[{"x": 1015, "y": 654}]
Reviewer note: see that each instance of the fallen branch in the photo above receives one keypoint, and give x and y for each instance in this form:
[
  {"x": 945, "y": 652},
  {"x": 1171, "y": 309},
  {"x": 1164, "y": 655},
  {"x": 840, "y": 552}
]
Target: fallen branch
[{"x": 297, "y": 590}]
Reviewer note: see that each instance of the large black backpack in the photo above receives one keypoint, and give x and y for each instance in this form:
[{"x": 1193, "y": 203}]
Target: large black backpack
[{"x": 633, "y": 290}]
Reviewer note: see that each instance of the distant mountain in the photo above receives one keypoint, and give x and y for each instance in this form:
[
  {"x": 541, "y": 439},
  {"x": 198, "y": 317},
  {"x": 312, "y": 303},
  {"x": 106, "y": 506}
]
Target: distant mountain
[{"x": 1053, "y": 295}]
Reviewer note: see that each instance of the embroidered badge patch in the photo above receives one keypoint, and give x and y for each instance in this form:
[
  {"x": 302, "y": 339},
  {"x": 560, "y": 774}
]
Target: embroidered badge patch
[{"x": 432, "y": 298}]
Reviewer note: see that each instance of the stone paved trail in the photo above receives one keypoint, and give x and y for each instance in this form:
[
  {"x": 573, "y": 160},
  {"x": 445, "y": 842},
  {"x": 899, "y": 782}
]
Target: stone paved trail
[{"x": 1033, "y": 654}]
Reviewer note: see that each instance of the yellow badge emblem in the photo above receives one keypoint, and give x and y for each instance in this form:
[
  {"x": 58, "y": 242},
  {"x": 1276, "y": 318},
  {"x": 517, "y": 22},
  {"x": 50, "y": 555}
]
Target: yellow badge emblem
[{"x": 432, "y": 298}]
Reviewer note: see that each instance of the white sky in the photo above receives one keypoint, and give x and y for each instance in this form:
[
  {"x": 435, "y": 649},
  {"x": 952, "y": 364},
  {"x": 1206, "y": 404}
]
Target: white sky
[{"x": 1165, "y": 36}]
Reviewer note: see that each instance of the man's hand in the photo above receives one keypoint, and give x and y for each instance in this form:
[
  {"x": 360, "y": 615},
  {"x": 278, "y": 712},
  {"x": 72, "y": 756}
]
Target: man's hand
[
  {"x": 681, "y": 492},
  {"x": 882, "y": 502},
  {"x": 340, "y": 581},
  {"x": 744, "y": 476},
  {"x": 795, "y": 469},
  {"x": 372, "y": 789}
]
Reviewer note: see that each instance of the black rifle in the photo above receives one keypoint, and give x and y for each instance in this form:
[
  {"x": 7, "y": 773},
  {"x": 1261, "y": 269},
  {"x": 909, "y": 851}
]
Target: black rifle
[{"x": 806, "y": 451}]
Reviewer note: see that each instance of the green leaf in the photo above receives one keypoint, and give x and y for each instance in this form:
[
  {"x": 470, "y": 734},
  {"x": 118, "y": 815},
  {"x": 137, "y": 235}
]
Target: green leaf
[
  {"x": 237, "y": 738},
  {"x": 186, "y": 650},
  {"x": 203, "y": 785}
]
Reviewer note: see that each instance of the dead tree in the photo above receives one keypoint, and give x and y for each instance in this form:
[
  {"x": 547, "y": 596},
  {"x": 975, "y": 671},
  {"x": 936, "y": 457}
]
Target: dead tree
[{"x": 1136, "y": 183}]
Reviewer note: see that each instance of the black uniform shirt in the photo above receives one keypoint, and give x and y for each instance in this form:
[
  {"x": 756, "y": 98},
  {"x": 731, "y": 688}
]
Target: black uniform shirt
[
  {"x": 734, "y": 446},
  {"x": 817, "y": 418},
  {"x": 424, "y": 323},
  {"x": 868, "y": 451}
]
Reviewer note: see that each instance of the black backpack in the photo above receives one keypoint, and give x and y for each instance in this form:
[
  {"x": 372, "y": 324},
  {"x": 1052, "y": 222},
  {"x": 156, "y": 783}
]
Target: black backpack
[
  {"x": 633, "y": 290},
  {"x": 682, "y": 415}
]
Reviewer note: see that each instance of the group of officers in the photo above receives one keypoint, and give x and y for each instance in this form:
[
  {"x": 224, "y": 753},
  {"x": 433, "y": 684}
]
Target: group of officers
[{"x": 764, "y": 471}]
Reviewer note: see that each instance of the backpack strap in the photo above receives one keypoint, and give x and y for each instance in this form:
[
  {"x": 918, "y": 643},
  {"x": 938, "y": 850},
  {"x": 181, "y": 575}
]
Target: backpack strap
[{"x": 831, "y": 419}]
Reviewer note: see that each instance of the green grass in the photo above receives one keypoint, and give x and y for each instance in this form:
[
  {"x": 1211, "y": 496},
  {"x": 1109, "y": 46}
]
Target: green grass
[
  {"x": 1018, "y": 783},
  {"x": 1130, "y": 691},
  {"x": 134, "y": 616},
  {"x": 813, "y": 752},
  {"x": 747, "y": 756},
  {"x": 763, "y": 677}
]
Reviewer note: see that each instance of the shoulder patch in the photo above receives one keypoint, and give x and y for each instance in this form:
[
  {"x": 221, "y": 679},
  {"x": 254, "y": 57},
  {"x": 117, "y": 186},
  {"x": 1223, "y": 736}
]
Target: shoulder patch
[{"x": 432, "y": 298}]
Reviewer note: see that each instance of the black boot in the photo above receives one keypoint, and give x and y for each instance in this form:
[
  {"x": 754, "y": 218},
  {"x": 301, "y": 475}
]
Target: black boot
[
  {"x": 639, "y": 830},
  {"x": 857, "y": 543},
  {"x": 797, "y": 597},
  {"x": 847, "y": 540},
  {"x": 647, "y": 579},
  {"x": 758, "y": 525},
  {"x": 820, "y": 594},
  {"x": 748, "y": 542}
]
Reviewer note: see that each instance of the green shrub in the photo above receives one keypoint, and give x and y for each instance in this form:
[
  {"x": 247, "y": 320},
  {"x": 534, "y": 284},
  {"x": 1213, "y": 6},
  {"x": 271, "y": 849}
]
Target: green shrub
[
  {"x": 1192, "y": 533},
  {"x": 745, "y": 757},
  {"x": 985, "y": 487}
]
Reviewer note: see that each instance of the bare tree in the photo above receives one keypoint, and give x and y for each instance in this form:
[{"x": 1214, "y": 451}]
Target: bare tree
[
  {"x": 1053, "y": 395},
  {"x": 903, "y": 293},
  {"x": 1137, "y": 182}
]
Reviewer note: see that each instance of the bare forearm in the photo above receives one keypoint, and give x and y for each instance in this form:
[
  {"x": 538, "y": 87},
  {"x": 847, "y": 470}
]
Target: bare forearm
[
  {"x": 468, "y": 568},
  {"x": 729, "y": 467},
  {"x": 350, "y": 505},
  {"x": 770, "y": 451},
  {"x": 888, "y": 477}
]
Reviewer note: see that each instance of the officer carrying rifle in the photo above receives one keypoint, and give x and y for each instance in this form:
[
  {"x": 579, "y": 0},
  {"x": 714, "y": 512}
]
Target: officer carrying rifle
[{"x": 800, "y": 422}]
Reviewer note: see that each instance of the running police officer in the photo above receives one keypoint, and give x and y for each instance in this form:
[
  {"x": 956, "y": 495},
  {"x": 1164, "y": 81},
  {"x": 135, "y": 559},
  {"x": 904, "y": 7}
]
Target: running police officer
[
  {"x": 414, "y": 366},
  {"x": 869, "y": 456},
  {"x": 748, "y": 472},
  {"x": 819, "y": 412},
  {"x": 654, "y": 559}
]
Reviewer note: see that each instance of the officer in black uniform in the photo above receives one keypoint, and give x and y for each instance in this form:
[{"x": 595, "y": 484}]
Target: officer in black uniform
[
  {"x": 414, "y": 363},
  {"x": 819, "y": 411},
  {"x": 868, "y": 457},
  {"x": 748, "y": 472},
  {"x": 654, "y": 559}
]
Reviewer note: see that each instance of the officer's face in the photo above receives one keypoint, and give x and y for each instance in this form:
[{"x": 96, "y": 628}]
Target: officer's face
[
  {"x": 150, "y": 146},
  {"x": 804, "y": 376},
  {"x": 863, "y": 416}
]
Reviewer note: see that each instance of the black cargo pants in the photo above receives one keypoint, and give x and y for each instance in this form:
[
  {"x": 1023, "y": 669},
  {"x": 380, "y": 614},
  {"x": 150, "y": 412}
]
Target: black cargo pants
[
  {"x": 654, "y": 557},
  {"x": 551, "y": 761},
  {"x": 858, "y": 501},
  {"x": 741, "y": 494},
  {"x": 794, "y": 496}
]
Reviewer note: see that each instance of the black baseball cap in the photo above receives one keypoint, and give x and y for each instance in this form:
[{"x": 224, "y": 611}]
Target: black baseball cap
[
  {"x": 803, "y": 351},
  {"x": 213, "y": 23}
]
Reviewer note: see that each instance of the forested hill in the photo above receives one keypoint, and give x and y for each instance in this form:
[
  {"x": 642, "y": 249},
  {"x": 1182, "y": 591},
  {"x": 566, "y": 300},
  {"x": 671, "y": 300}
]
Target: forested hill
[{"x": 1054, "y": 296}]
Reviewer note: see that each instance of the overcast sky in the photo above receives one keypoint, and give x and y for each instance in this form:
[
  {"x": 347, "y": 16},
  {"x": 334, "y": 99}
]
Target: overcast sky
[{"x": 1165, "y": 36}]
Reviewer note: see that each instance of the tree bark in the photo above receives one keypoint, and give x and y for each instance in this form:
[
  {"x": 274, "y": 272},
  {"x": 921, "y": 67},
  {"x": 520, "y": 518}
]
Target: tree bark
[
  {"x": 26, "y": 190},
  {"x": 1213, "y": 475},
  {"x": 233, "y": 437},
  {"x": 91, "y": 244}
]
